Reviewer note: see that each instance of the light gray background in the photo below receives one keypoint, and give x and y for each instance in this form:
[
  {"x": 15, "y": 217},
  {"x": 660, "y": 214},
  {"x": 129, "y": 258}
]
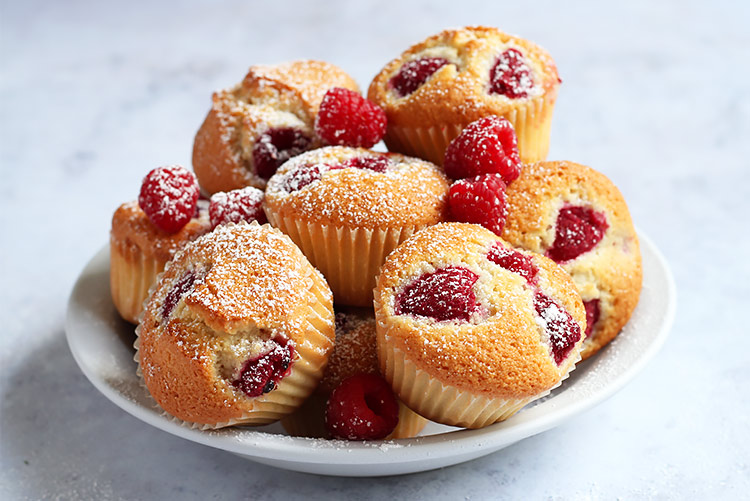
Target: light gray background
[{"x": 655, "y": 95}]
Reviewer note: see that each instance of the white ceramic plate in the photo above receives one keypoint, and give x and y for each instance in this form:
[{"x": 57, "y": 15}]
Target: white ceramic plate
[{"x": 102, "y": 345}]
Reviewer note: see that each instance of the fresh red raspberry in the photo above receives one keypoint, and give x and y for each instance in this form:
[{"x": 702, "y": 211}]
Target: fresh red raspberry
[
  {"x": 362, "y": 407},
  {"x": 245, "y": 204},
  {"x": 276, "y": 146},
  {"x": 348, "y": 119},
  {"x": 260, "y": 374},
  {"x": 169, "y": 197},
  {"x": 301, "y": 177},
  {"x": 514, "y": 261},
  {"x": 511, "y": 76},
  {"x": 592, "y": 315},
  {"x": 578, "y": 230},
  {"x": 487, "y": 145},
  {"x": 414, "y": 73},
  {"x": 562, "y": 330},
  {"x": 378, "y": 164},
  {"x": 480, "y": 200},
  {"x": 445, "y": 294}
]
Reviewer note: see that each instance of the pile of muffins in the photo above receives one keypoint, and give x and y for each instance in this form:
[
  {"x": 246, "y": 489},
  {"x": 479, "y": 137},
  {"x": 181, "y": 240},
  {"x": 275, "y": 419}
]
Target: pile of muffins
[{"x": 298, "y": 275}]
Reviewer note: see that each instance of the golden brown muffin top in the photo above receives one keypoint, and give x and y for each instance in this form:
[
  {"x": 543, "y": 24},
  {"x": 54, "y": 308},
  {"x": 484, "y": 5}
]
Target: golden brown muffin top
[
  {"x": 458, "y": 91},
  {"x": 502, "y": 350},
  {"x": 224, "y": 299},
  {"x": 131, "y": 226},
  {"x": 313, "y": 187}
]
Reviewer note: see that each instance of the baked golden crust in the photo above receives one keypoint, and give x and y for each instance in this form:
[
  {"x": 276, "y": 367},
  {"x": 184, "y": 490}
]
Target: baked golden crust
[
  {"x": 500, "y": 352},
  {"x": 612, "y": 271},
  {"x": 250, "y": 285},
  {"x": 424, "y": 122},
  {"x": 411, "y": 192},
  {"x": 282, "y": 95}
]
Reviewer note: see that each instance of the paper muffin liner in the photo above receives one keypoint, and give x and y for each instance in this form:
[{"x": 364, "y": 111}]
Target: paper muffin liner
[
  {"x": 447, "y": 404},
  {"x": 309, "y": 420},
  {"x": 131, "y": 275},
  {"x": 292, "y": 390},
  {"x": 349, "y": 258},
  {"x": 531, "y": 120}
]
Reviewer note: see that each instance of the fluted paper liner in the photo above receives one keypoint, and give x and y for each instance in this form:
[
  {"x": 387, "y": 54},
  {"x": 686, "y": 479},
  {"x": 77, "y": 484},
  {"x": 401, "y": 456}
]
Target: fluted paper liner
[
  {"x": 531, "y": 120},
  {"x": 349, "y": 258},
  {"x": 131, "y": 275},
  {"x": 292, "y": 390},
  {"x": 445, "y": 403}
]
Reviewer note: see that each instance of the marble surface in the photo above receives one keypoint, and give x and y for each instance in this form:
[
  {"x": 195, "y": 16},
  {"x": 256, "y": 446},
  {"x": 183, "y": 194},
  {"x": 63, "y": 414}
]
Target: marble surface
[{"x": 656, "y": 96}]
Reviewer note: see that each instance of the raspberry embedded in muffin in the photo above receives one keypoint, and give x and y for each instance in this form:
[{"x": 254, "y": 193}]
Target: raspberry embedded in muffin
[
  {"x": 276, "y": 146},
  {"x": 414, "y": 73},
  {"x": 262, "y": 373},
  {"x": 445, "y": 294},
  {"x": 511, "y": 76},
  {"x": 577, "y": 230}
]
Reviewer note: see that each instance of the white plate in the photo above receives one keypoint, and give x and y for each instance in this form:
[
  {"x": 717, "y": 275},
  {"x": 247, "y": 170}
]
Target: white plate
[{"x": 102, "y": 345}]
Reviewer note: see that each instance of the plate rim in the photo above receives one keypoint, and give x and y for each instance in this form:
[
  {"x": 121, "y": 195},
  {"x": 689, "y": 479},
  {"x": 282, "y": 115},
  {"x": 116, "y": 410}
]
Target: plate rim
[{"x": 275, "y": 449}]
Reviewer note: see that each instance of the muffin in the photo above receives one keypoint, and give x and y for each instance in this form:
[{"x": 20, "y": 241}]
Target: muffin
[
  {"x": 470, "y": 330},
  {"x": 139, "y": 250},
  {"x": 578, "y": 218},
  {"x": 237, "y": 329},
  {"x": 355, "y": 352},
  {"x": 255, "y": 126},
  {"x": 347, "y": 208},
  {"x": 438, "y": 86}
]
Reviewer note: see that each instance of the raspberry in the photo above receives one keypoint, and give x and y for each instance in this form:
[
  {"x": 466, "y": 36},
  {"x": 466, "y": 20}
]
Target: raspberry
[
  {"x": 446, "y": 294},
  {"x": 348, "y": 119},
  {"x": 578, "y": 230},
  {"x": 592, "y": 315},
  {"x": 169, "y": 197},
  {"x": 362, "y": 407},
  {"x": 378, "y": 164},
  {"x": 514, "y": 261},
  {"x": 487, "y": 145},
  {"x": 260, "y": 375},
  {"x": 275, "y": 147},
  {"x": 181, "y": 287},
  {"x": 301, "y": 177},
  {"x": 480, "y": 200},
  {"x": 237, "y": 205},
  {"x": 510, "y": 75},
  {"x": 414, "y": 73},
  {"x": 562, "y": 330}
]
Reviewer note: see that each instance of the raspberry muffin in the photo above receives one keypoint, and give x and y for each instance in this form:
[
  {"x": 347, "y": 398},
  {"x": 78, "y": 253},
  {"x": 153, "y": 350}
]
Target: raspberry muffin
[
  {"x": 255, "y": 126},
  {"x": 355, "y": 352},
  {"x": 470, "y": 330},
  {"x": 347, "y": 208},
  {"x": 577, "y": 217},
  {"x": 146, "y": 234},
  {"x": 438, "y": 86},
  {"x": 237, "y": 329}
]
